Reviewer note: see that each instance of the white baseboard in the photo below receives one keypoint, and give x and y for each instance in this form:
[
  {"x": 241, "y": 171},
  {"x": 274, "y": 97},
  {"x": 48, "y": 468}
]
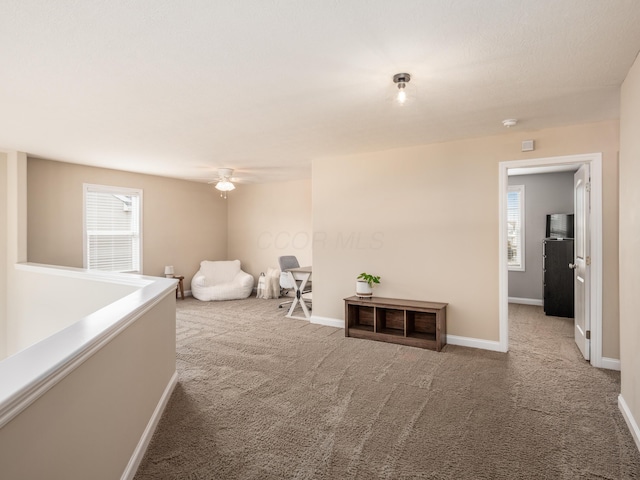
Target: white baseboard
[
  {"x": 631, "y": 422},
  {"x": 330, "y": 322},
  {"x": 141, "y": 448},
  {"x": 610, "y": 363},
  {"x": 527, "y": 301},
  {"x": 473, "y": 343},
  {"x": 451, "y": 339}
]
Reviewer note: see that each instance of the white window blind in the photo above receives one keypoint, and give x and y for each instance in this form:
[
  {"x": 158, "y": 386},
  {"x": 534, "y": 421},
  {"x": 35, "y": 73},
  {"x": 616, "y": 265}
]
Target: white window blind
[
  {"x": 112, "y": 226},
  {"x": 515, "y": 227}
]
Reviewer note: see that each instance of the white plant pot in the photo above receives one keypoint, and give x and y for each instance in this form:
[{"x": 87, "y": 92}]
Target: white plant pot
[{"x": 363, "y": 289}]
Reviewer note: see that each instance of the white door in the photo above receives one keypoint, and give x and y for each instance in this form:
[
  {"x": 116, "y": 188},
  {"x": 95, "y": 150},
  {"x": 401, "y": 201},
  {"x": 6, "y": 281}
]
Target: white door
[{"x": 582, "y": 261}]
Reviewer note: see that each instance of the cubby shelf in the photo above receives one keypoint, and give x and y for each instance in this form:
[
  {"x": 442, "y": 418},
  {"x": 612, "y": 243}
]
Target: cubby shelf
[{"x": 407, "y": 322}]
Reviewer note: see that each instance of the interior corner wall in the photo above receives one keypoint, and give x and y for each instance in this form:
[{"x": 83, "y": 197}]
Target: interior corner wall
[
  {"x": 267, "y": 221},
  {"x": 425, "y": 219},
  {"x": 16, "y": 231},
  {"x": 183, "y": 222},
  {"x": 630, "y": 241},
  {"x": 544, "y": 193},
  {"x": 3, "y": 255}
]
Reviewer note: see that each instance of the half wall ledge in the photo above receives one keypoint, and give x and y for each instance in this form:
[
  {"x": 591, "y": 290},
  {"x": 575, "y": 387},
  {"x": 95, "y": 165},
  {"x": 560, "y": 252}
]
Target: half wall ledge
[{"x": 87, "y": 377}]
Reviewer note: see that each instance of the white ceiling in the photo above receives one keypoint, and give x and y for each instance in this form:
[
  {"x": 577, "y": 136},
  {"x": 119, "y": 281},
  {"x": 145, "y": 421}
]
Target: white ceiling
[{"x": 181, "y": 88}]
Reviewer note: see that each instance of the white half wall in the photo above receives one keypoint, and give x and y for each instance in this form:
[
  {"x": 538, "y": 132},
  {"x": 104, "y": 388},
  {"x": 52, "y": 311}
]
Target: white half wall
[
  {"x": 80, "y": 403},
  {"x": 41, "y": 304},
  {"x": 15, "y": 238},
  {"x": 3, "y": 255}
]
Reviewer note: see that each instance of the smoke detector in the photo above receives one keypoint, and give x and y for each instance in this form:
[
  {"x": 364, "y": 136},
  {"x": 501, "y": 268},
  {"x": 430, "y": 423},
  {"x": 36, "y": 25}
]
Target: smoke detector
[{"x": 510, "y": 122}]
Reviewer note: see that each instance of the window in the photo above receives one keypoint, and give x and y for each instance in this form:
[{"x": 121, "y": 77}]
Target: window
[
  {"x": 515, "y": 227},
  {"x": 112, "y": 229}
]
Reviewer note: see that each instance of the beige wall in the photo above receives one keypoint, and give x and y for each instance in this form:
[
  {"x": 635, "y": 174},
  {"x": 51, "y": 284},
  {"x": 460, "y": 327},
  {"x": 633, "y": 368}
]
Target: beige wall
[
  {"x": 89, "y": 423},
  {"x": 630, "y": 240},
  {"x": 426, "y": 220},
  {"x": 3, "y": 255},
  {"x": 267, "y": 221},
  {"x": 183, "y": 222}
]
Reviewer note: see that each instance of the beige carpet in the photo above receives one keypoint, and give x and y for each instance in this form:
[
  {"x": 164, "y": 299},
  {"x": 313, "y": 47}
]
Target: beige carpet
[{"x": 261, "y": 396}]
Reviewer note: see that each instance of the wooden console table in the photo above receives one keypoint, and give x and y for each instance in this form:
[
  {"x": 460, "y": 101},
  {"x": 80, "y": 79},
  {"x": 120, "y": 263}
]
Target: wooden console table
[{"x": 407, "y": 322}]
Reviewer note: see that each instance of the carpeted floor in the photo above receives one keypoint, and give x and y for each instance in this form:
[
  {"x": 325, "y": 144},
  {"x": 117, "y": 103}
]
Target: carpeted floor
[{"x": 264, "y": 397}]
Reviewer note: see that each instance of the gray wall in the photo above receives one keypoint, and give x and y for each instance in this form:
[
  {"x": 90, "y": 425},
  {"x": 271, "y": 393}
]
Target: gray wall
[{"x": 543, "y": 194}]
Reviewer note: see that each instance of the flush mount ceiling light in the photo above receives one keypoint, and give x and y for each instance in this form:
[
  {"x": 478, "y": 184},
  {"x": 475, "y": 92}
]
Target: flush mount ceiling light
[
  {"x": 509, "y": 122},
  {"x": 401, "y": 79},
  {"x": 224, "y": 184}
]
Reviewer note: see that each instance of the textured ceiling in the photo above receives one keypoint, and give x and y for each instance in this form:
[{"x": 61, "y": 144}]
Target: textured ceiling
[{"x": 265, "y": 86}]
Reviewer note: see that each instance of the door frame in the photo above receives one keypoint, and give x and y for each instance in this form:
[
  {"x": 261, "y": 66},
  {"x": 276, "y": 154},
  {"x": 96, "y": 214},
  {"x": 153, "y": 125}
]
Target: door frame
[{"x": 595, "y": 162}]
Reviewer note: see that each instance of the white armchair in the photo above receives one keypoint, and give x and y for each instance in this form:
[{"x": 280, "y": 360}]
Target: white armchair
[{"x": 221, "y": 280}]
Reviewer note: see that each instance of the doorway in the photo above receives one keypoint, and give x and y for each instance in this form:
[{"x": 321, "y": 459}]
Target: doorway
[{"x": 594, "y": 160}]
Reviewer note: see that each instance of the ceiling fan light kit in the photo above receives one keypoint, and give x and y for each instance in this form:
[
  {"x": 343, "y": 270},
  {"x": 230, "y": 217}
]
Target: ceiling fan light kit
[{"x": 224, "y": 184}]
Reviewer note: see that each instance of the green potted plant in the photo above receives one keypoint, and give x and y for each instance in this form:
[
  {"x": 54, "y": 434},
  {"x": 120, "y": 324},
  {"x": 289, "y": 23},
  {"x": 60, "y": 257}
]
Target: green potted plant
[{"x": 365, "y": 283}]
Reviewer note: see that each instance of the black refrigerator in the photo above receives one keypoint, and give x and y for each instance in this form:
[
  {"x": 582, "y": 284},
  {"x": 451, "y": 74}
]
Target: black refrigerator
[{"x": 558, "y": 277}]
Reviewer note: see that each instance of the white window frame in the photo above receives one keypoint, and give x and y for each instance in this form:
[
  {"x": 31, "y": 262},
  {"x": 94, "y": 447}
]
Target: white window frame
[
  {"x": 520, "y": 190},
  {"x": 89, "y": 187}
]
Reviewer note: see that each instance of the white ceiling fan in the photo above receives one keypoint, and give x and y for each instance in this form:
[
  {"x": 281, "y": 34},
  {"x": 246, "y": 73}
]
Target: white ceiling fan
[
  {"x": 227, "y": 178},
  {"x": 224, "y": 184}
]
